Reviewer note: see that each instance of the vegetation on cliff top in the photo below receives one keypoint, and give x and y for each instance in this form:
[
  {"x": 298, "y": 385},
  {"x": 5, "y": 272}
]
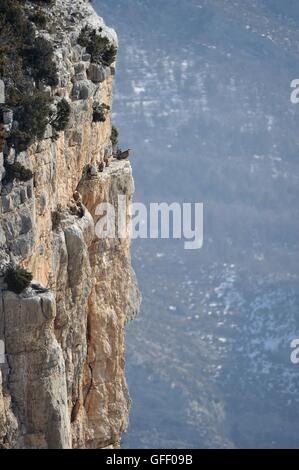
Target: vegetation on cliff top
[
  {"x": 26, "y": 67},
  {"x": 99, "y": 47}
]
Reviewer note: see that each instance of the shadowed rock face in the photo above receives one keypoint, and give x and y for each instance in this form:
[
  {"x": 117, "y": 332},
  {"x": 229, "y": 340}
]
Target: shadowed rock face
[{"x": 63, "y": 384}]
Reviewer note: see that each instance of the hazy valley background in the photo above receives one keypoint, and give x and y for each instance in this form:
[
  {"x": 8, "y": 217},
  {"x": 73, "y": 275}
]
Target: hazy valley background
[{"x": 203, "y": 96}]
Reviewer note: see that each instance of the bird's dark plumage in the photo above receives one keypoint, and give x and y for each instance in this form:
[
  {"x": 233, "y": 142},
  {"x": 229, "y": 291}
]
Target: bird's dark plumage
[{"x": 123, "y": 155}]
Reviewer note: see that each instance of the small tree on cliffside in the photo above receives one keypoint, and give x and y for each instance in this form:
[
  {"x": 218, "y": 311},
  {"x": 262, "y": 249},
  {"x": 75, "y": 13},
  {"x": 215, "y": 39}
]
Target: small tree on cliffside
[{"x": 17, "y": 279}]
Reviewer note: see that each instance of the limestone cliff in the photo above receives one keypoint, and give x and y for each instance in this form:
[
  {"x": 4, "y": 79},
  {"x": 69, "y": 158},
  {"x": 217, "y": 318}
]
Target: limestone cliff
[{"x": 63, "y": 382}]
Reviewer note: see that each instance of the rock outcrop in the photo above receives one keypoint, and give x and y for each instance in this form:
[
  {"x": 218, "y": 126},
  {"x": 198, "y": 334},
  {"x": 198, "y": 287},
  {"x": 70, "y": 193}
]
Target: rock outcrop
[{"x": 63, "y": 382}]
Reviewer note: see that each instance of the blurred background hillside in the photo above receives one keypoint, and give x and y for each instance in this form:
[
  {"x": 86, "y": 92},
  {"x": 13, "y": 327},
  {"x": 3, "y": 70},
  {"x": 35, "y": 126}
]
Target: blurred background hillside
[{"x": 203, "y": 96}]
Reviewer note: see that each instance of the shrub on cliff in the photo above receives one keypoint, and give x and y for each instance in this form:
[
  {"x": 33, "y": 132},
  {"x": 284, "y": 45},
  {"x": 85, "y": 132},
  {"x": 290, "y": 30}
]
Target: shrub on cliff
[
  {"x": 48, "y": 2},
  {"x": 16, "y": 171},
  {"x": 33, "y": 117},
  {"x": 12, "y": 12},
  {"x": 99, "y": 47},
  {"x": 38, "y": 18},
  {"x": 24, "y": 60},
  {"x": 61, "y": 119},
  {"x": 109, "y": 55},
  {"x": 56, "y": 218},
  {"x": 39, "y": 58},
  {"x": 100, "y": 112},
  {"x": 2, "y": 137},
  {"x": 86, "y": 170},
  {"x": 114, "y": 136},
  {"x": 17, "y": 279}
]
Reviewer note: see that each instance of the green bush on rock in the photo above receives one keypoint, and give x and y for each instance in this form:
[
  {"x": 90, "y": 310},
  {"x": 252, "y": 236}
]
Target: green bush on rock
[
  {"x": 39, "y": 58},
  {"x": 26, "y": 64},
  {"x": 100, "y": 112},
  {"x": 33, "y": 117},
  {"x": 16, "y": 171},
  {"x": 98, "y": 46},
  {"x": 114, "y": 136},
  {"x": 61, "y": 118},
  {"x": 17, "y": 279}
]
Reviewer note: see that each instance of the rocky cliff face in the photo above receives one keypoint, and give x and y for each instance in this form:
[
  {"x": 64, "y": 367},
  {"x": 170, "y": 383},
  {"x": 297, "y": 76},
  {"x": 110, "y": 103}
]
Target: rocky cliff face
[{"x": 63, "y": 383}]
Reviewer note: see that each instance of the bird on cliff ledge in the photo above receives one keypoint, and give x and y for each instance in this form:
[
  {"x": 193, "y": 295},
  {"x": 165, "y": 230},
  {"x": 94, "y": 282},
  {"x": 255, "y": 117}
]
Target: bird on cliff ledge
[{"x": 123, "y": 155}]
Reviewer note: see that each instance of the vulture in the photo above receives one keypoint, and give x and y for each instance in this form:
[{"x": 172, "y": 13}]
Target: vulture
[{"x": 123, "y": 155}]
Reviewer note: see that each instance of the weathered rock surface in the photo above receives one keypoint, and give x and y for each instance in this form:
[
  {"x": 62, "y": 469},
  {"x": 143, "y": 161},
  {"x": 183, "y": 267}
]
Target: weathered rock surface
[{"x": 63, "y": 383}]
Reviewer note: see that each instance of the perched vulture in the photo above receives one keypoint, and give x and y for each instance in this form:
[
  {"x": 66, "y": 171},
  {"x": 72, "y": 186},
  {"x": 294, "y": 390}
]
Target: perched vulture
[{"x": 123, "y": 155}]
